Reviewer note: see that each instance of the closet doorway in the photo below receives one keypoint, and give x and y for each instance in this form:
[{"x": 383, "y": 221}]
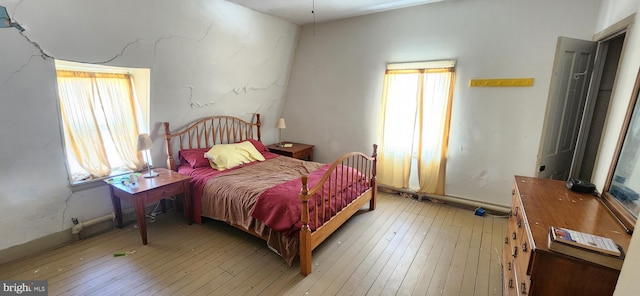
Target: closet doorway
[{"x": 581, "y": 89}]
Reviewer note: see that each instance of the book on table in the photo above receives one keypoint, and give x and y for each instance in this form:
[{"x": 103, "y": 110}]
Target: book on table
[{"x": 585, "y": 246}]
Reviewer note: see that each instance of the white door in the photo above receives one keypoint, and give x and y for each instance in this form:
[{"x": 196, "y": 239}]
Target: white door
[{"x": 572, "y": 71}]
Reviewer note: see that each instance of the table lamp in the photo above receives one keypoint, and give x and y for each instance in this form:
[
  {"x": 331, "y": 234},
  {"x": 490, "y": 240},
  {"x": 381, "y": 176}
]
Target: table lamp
[
  {"x": 280, "y": 125},
  {"x": 145, "y": 144}
]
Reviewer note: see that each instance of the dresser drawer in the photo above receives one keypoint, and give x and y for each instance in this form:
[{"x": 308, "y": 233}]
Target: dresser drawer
[
  {"x": 519, "y": 249},
  {"x": 522, "y": 244},
  {"x": 509, "y": 283},
  {"x": 165, "y": 192},
  {"x": 514, "y": 283},
  {"x": 521, "y": 284}
]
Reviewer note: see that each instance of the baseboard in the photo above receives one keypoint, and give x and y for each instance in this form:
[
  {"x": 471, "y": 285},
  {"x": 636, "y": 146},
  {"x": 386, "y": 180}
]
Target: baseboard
[
  {"x": 52, "y": 241},
  {"x": 64, "y": 237},
  {"x": 451, "y": 200}
]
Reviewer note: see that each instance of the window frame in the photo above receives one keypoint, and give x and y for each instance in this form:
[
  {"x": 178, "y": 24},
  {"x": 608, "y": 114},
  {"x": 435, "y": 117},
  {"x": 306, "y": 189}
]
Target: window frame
[
  {"x": 421, "y": 69},
  {"x": 621, "y": 212},
  {"x": 141, "y": 87}
]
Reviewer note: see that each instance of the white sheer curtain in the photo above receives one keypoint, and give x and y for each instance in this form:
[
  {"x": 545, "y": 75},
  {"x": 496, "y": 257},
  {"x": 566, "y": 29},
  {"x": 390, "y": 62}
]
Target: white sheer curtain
[
  {"x": 414, "y": 127},
  {"x": 116, "y": 96},
  {"x": 89, "y": 101}
]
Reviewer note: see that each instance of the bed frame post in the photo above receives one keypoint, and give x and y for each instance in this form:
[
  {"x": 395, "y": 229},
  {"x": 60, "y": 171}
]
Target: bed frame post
[
  {"x": 171, "y": 163},
  {"x": 258, "y": 124},
  {"x": 305, "y": 232},
  {"x": 374, "y": 181}
]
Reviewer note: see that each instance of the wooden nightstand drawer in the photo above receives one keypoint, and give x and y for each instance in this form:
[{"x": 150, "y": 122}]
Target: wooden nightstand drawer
[
  {"x": 297, "y": 150},
  {"x": 304, "y": 154},
  {"x": 165, "y": 192}
]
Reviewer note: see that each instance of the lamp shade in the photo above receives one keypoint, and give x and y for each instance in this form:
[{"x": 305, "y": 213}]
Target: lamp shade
[
  {"x": 280, "y": 123},
  {"x": 144, "y": 142}
]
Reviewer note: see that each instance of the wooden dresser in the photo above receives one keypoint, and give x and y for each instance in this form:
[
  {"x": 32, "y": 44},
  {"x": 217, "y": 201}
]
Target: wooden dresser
[{"x": 529, "y": 267}]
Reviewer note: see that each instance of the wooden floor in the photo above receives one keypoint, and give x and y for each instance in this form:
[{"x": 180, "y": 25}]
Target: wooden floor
[{"x": 404, "y": 247}]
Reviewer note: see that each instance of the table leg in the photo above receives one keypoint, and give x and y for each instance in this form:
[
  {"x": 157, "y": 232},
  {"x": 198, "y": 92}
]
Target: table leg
[
  {"x": 117, "y": 208},
  {"x": 141, "y": 219}
]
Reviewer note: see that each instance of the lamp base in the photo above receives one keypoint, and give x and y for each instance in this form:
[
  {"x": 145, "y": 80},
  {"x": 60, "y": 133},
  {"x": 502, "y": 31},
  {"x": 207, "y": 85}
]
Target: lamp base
[{"x": 150, "y": 174}]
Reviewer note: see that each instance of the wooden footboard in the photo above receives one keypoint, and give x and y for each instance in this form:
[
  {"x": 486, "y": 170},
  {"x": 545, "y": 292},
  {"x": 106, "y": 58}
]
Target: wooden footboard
[{"x": 356, "y": 175}]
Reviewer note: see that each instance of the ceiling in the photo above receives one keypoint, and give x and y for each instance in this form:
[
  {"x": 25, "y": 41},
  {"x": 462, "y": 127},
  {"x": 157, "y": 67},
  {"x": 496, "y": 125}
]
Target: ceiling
[{"x": 300, "y": 11}]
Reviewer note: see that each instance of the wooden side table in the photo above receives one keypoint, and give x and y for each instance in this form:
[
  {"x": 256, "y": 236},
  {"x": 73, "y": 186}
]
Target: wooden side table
[
  {"x": 167, "y": 184},
  {"x": 299, "y": 151}
]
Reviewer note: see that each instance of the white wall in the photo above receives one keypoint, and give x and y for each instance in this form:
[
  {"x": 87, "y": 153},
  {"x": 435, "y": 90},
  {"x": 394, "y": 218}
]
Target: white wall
[
  {"x": 206, "y": 57},
  {"x": 335, "y": 88},
  {"x": 611, "y": 12}
]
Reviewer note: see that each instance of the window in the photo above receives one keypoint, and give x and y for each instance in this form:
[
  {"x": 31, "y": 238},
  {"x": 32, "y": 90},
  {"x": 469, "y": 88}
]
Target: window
[
  {"x": 414, "y": 125},
  {"x": 101, "y": 117}
]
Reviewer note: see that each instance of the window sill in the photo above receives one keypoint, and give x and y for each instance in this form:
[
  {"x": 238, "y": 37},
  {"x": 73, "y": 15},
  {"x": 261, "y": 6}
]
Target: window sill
[{"x": 95, "y": 182}]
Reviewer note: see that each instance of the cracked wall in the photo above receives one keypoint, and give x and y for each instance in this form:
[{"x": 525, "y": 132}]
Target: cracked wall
[
  {"x": 206, "y": 58},
  {"x": 495, "y": 132}
]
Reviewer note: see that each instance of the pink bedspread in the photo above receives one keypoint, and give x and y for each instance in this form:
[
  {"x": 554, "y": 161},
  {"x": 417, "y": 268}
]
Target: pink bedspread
[
  {"x": 280, "y": 207},
  {"x": 270, "y": 206},
  {"x": 200, "y": 176}
]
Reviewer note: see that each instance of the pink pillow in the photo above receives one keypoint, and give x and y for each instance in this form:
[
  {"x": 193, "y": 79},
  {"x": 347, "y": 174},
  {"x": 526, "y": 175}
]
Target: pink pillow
[
  {"x": 259, "y": 146},
  {"x": 194, "y": 157}
]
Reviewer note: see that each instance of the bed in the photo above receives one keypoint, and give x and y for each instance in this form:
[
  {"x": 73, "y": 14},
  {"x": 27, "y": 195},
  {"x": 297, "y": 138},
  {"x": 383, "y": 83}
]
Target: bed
[{"x": 293, "y": 205}]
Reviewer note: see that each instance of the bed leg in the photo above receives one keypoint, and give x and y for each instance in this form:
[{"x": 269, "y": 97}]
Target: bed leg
[
  {"x": 374, "y": 196},
  {"x": 305, "y": 251}
]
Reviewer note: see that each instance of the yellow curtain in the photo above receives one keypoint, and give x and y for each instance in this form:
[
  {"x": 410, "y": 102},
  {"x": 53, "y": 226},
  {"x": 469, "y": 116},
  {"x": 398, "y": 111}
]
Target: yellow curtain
[
  {"x": 85, "y": 96},
  {"x": 82, "y": 133},
  {"x": 414, "y": 122},
  {"x": 434, "y": 131},
  {"x": 397, "y": 122}
]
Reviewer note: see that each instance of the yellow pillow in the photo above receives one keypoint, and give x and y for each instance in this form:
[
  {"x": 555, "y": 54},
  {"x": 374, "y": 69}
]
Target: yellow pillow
[{"x": 226, "y": 156}]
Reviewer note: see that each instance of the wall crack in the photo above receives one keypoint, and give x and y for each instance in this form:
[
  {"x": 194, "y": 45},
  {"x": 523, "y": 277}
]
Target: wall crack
[
  {"x": 155, "y": 46},
  {"x": 66, "y": 207},
  {"x": 246, "y": 89}
]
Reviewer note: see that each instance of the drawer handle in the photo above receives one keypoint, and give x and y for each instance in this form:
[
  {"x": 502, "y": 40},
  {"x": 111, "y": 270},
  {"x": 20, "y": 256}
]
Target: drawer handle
[
  {"x": 515, "y": 252},
  {"x": 513, "y": 191},
  {"x": 524, "y": 247},
  {"x": 513, "y": 235},
  {"x": 519, "y": 223},
  {"x": 515, "y": 211},
  {"x": 510, "y": 283},
  {"x": 523, "y": 288},
  {"x": 506, "y": 239}
]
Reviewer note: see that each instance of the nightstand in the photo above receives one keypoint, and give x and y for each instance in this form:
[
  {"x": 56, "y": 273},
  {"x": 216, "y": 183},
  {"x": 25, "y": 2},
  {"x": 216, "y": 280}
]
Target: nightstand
[
  {"x": 167, "y": 184},
  {"x": 299, "y": 151}
]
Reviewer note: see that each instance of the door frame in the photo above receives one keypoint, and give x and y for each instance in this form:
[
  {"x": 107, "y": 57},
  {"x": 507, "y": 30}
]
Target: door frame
[
  {"x": 592, "y": 97},
  {"x": 602, "y": 37}
]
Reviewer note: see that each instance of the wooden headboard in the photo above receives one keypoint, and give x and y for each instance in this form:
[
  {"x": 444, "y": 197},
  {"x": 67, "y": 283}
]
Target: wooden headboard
[{"x": 209, "y": 131}]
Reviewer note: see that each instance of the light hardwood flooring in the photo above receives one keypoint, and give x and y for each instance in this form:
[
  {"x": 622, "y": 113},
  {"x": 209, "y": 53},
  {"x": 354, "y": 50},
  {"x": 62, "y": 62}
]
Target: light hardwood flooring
[{"x": 404, "y": 247}]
